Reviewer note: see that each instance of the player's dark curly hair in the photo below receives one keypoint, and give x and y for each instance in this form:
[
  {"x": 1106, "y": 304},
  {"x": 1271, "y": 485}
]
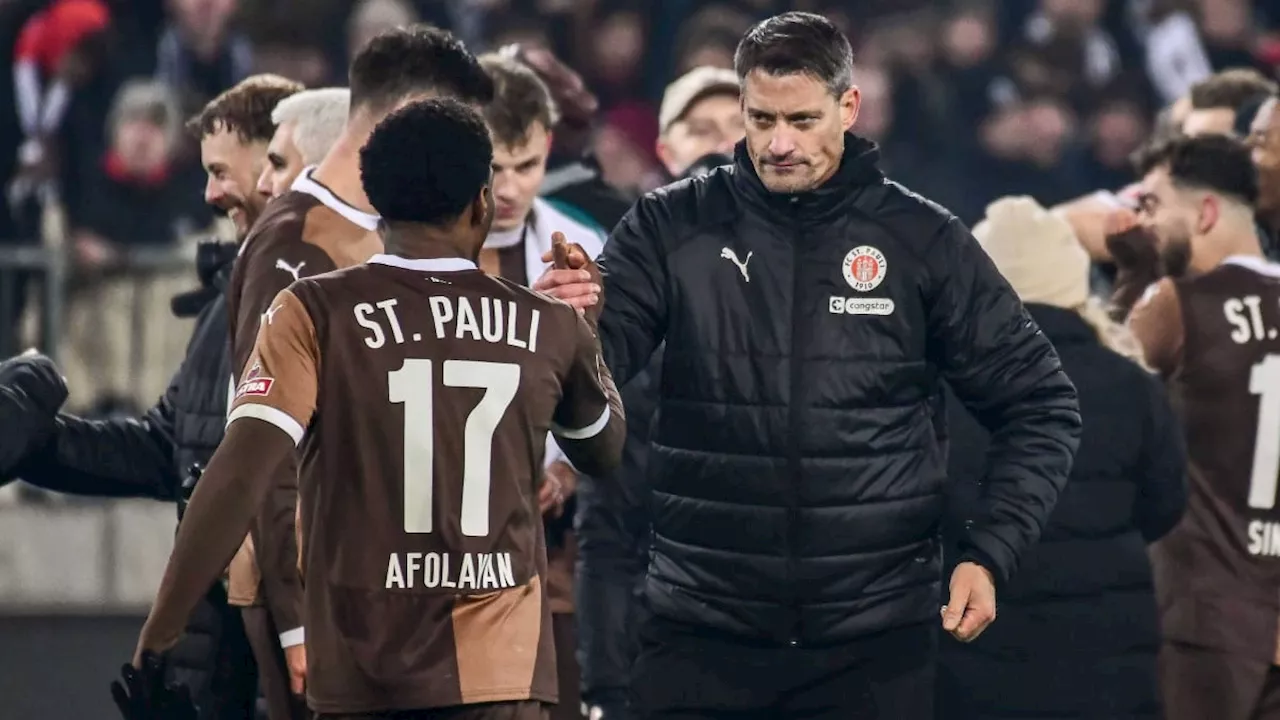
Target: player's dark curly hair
[
  {"x": 416, "y": 59},
  {"x": 427, "y": 161},
  {"x": 1211, "y": 162}
]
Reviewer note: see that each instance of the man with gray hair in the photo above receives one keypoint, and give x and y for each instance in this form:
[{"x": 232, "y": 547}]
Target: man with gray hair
[{"x": 307, "y": 125}]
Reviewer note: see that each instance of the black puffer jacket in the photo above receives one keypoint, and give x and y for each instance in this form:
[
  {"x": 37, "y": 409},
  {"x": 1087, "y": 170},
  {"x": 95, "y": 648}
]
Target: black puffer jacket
[
  {"x": 150, "y": 456},
  {"x": 797, "y": 471},
  {"x": 1078, "y": 631}
]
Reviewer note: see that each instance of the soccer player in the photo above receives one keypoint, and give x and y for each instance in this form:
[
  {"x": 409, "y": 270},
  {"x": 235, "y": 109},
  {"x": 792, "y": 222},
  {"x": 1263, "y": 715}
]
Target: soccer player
[
  {"x": 1212, "y": 330},
  {"x": 419, "y": 391},
  {"x": 325, "y": 222}
]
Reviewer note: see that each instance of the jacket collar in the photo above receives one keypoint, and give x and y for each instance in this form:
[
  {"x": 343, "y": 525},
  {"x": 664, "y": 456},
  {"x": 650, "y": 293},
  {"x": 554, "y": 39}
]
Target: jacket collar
[
  {"x": 1061, "y": 326},
  {"x": 858, "y": 169}
]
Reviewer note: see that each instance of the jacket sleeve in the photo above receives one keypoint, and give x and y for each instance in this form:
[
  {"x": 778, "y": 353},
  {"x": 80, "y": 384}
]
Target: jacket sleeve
[
  {"x": 117, "y": 457},
  {"x": 1005, "y": 372},
  {"x": 633, "y": 267},
  {"x": 1162, "y": 468},
  {"x": 31, "y": 391}
]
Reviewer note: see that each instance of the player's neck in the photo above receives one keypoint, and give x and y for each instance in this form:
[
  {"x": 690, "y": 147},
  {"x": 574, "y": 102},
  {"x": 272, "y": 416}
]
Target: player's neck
[
  {"x": 422, "y": 242},
  {"x": 1234, "y": 239},
  {"x": 340, "y": 169}
]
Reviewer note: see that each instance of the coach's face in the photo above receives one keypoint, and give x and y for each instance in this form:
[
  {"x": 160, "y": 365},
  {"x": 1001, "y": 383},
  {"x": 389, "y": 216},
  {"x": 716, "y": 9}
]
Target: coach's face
[
  {"x": 233, "y": 168},
  {"x": 795, "y": 129}
]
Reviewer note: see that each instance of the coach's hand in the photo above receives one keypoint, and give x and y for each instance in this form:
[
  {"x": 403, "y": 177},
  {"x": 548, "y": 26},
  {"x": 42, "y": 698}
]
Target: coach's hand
[
  {"x": 972, "y": 605},
  {"x": 296, "y": 658},
  {"x": 569, "y": 278}
]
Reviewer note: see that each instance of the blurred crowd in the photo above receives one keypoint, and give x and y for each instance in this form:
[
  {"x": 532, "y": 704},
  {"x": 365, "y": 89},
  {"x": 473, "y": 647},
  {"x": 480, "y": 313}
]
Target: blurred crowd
[{"x": 970, "y": 100}]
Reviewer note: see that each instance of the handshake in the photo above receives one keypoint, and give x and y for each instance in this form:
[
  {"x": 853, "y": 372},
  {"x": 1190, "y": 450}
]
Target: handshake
[
  {"x": 572, "y": 277},
  {"x": 32, "y": 391}
]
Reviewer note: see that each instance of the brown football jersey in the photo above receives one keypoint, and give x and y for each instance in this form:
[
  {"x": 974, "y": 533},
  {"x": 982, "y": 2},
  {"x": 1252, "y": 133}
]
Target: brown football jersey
[
  {"x": 1216, "y": 340},
  {"x": 306, "y": 231},
  {"x": 421, "y": 393}
]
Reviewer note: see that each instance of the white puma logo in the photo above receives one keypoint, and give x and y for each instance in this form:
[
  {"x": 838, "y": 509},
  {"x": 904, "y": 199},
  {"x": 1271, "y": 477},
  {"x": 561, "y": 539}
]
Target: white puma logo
[
  {"x": 270, "y": 314},
  {"x": 296, "y": 272},
  {"x": 732, "y": 257}
]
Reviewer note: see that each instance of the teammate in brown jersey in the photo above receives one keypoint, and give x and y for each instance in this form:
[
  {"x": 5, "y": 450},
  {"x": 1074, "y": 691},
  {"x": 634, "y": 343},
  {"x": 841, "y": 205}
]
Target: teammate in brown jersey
[
  {"x": 325, "y": 222},
  {"x": 420, "y": 391},
  {"x": 1212, "y": 330}
]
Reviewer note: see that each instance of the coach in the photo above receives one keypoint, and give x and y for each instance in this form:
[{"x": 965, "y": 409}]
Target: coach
[{"x": 810, "y": 310}]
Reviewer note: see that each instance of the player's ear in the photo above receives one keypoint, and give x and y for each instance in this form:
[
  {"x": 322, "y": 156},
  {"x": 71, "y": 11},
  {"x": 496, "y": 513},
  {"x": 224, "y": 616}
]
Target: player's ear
[
  {"x": 483, "y": 207},
  {"x": 1209, "y": 212}
]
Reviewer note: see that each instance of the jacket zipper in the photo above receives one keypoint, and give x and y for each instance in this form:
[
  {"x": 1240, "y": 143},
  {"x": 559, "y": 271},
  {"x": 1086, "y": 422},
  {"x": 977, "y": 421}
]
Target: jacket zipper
[{"x": 794, "y": 432}]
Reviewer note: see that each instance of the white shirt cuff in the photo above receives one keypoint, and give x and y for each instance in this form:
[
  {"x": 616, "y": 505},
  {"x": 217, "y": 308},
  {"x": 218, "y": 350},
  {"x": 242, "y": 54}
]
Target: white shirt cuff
[{"x": 289, "y": 638}]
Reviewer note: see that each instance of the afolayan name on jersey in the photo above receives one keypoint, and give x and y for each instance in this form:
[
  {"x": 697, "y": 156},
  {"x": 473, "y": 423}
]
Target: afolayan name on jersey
[
  {"x": 463, "y": 571},
  {"x": 483, "y": 319}
]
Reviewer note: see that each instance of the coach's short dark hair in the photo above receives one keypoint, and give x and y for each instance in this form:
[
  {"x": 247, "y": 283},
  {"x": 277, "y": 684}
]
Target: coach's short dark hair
[
  {"x": 416, "y": 59},
  {"x": 797, "y": 42},
  {"x": 520, "y": 99},
  {"x": 1231, "y": 88},
  {"x": 245, "y": 109},
  {"x": 1209, "y": 162},
  {"x": 426, "y": 162}
]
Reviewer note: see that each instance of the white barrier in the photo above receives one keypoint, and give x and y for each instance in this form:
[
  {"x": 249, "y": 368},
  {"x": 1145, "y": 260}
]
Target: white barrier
[{"x": 105, "y": 557}]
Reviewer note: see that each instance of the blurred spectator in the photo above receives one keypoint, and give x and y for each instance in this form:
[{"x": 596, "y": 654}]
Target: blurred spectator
[
  {"x": 1117, "y": 129},
  {"x": 200, "y": 54},
  {"x": 1217, "y": 99},
  {"x": 1078, "y": 634},
  {"x": 625, "y": 147},
  {"x": 1073, "y": 28},
  {"x": 966, "y": 63},
  {"x": 49, "y": 60},
  {"x": 307, "y": 125},
  {"x": 1175, "y": 56},
  {"x": 617, "y": 52},
  {"x": 134, "y": 198},
  {"x": 700, "y": 115},
  {"x": 1230, "y": 32}
]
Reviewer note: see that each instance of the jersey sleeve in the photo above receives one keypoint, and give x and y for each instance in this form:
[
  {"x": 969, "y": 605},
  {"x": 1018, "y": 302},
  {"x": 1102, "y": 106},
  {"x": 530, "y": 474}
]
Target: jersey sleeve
[
  {"x": 1156, "y": 322},
  {"x": 279, "y": 384},
  {"x": 272, "y": 261},
  {"x": 588, "y": 423}
]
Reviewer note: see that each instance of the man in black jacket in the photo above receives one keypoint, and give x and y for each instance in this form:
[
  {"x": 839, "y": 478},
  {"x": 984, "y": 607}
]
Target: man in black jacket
[
  {"x": 161, "y": 454},
  {"x": 810, "y": 309}
]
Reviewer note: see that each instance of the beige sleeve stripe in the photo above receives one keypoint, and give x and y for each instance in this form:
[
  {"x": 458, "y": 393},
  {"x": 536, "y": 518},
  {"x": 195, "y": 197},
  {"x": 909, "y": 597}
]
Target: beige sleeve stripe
[
  {"x": 275, "y": 416},
  {"x": 589, "y": 431}
]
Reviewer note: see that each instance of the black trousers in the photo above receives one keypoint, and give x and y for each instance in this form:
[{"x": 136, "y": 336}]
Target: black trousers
[{"x": 683, "y": 674}]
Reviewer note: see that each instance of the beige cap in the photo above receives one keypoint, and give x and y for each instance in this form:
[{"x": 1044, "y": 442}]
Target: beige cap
[
  {"x": 1036, "y": 251},
  {"x": 691, "y": 87}
]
